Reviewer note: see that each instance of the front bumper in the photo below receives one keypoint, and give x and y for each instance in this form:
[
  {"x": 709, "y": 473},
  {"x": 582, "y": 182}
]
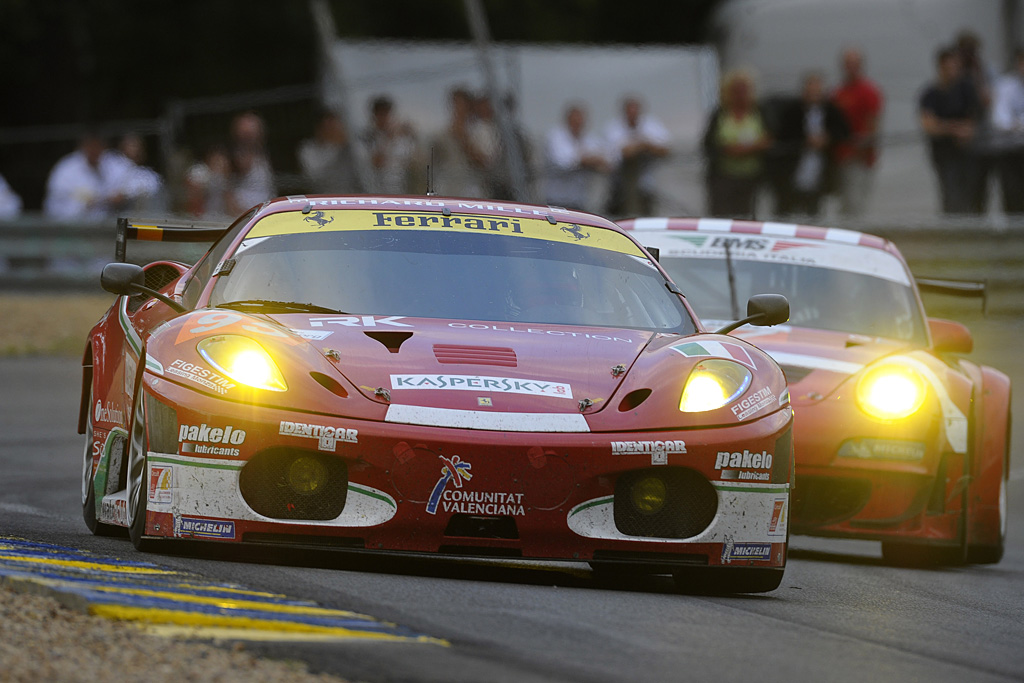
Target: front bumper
[
  {"x": 531, "y": 495},
  {"x": 860, "y": 478}
]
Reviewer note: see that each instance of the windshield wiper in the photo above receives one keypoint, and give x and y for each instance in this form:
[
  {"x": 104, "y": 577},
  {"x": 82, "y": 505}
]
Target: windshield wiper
[{"x": 267, "y": 306}]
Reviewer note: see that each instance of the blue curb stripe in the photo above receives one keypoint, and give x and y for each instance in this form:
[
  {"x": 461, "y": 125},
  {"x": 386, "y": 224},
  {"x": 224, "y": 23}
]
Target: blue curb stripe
[{"x": 54, "y": 566}]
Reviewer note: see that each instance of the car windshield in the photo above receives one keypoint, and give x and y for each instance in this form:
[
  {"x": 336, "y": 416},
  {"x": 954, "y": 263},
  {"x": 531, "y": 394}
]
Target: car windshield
[
  {"x": 455, "y": 275},
  {"x": 819, "y": 298}
]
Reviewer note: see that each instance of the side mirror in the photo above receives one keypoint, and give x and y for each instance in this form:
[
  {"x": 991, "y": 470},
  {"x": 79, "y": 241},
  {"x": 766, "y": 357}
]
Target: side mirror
[
  {"x": 949, "y": 336},
  {"x": 763, "y": 310},
  {"x": 127, "y": 279},
  {"x": 122, "y": 278}
]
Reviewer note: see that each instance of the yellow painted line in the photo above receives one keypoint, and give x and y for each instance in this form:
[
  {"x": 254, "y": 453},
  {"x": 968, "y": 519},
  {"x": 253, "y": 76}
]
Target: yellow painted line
[
  {"x": 224, "y": 633},
  {"x": 218, "y": 602},
  {"x": 100, "y": 566},
  {"x": 173, "y": 617}
]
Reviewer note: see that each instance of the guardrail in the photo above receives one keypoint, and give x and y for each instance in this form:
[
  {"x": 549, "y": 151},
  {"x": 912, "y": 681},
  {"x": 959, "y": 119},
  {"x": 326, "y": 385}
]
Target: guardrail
[{"x": 38, "y": 254}]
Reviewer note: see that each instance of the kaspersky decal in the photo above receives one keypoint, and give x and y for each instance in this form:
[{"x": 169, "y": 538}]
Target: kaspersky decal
[
  {"x": 502, "y": 385},
  {"x": 714, "y": 349},
  {"x": 459, "y": 500}
]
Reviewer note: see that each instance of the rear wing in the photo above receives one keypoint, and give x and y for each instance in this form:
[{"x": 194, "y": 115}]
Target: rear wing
[
  {"x": 972, "y": 289},
  {"x": 164, "y": 231}
]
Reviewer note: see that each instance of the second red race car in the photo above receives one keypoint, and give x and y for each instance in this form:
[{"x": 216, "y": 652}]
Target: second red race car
[
  {"x": 897, "y": 437},
  {"x": 442, "y": 376}
]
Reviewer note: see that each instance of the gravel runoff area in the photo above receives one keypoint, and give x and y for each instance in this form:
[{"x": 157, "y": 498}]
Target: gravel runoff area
[
  {"x": 48, "y": 323},
  {"x": 42, "y": 639}
]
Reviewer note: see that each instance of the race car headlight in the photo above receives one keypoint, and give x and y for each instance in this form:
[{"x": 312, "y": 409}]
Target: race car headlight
[
  {"x": 891, "y": 392},
  {"x": 648, "y": 495},
  {"x": 243, "y": 360},
  {"x": 712, "y": 384}
]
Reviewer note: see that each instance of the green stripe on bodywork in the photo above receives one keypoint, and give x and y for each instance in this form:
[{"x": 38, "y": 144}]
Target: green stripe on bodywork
[
  {"x": 130, "y": 335},
  {"x": 372, "y": 494},
  {"x": 776, "y": 488},
  {"x": 591, "y": 503},
  {"x": 195, "y": 463}
]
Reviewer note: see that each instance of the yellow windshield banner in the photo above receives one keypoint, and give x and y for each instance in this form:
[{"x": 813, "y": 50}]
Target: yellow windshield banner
[{"x": 294, "y": 223}]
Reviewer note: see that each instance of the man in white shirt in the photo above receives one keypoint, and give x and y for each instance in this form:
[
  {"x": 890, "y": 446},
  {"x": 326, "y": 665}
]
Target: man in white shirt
[
  {"x": 81, "y": 185},
  {"x": 1008, "y": 134},
  {"x": 572, "y": 157},
  {"x": 635, "y": 143}
]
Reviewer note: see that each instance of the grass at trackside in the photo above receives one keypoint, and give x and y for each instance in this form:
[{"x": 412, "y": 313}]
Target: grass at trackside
[{"x": 52, "y": 323}]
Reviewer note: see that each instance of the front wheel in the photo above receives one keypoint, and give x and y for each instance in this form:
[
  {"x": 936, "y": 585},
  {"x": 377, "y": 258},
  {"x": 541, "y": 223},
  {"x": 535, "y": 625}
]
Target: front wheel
[
  {"x": 992, "y": 554},
  {"x": 138, "y": 447},
  {"x": 97, "y": 527}
]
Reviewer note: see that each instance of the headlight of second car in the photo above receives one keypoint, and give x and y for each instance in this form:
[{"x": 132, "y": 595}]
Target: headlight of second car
[
  {"x": 712, "y": 384},
  {"x": 243, "y": 360},
  {"x": 891, "y": 391}
]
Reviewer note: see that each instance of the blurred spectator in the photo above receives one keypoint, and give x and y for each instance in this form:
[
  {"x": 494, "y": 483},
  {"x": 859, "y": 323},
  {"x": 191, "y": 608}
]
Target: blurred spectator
[
  {"x": 458, "y": 160},
  {"x": 80, "y": 184},
  {"x": 981, "y": 77},
  {"x": 635, "y": 142},
  {"x": 486, "y": 139},
  {"x": 135, "y": 186},
  {"x": 253, "y": 177},
  {"x": 860, "y": 100},
  {"x": 734, "y": 143},
  {"x": 328, "y": 160},
  {"x": 573, "y": 156},
  {"x": 948, "y": 109},
  {"x": 390, "y": 145},
  {"x": 208, "y": 184},
  {"x": 1008, "y": 134},
  {"x": 10, "y": 202},
  {"x": 503, "y": 186},
  {"x": 808, "y": 132}
]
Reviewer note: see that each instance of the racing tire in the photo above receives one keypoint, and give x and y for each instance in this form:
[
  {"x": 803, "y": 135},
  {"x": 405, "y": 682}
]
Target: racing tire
[
  {"x": 138, "y": 447},
  {"x": 992, "y": 554},
  {"x": 725, "y": 581},
  {"x": 97, "y": 527},
  {"x": 921, "y": 555}
]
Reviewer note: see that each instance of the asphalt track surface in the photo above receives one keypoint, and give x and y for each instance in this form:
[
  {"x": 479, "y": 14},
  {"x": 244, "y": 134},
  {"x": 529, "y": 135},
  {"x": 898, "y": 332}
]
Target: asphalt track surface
[{"x": 841, "y": 614}]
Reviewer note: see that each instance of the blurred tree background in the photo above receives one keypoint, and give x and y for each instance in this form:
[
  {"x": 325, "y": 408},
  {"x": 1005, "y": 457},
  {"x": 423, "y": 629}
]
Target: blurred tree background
[{"x": 75, "y": 62}]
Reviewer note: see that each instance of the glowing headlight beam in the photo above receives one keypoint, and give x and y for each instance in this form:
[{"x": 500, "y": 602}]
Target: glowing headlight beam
[
  {"x": 891, "y": 392},
  {"x": 243, "y": 360},
  {"x": 712, "y": 384}
]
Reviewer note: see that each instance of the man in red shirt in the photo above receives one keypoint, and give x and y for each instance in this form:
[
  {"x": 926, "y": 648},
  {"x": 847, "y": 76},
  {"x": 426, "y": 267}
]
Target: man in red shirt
[{"x": 860, "y": 100}]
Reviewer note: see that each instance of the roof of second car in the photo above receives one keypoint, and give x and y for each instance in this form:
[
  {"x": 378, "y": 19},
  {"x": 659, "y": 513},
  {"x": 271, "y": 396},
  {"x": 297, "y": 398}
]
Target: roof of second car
[{"x": 774, "y": 229}]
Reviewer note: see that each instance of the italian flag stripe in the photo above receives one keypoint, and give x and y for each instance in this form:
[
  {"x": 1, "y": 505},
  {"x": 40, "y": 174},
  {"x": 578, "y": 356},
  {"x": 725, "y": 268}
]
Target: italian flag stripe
[{"x": 716, "y": 349}]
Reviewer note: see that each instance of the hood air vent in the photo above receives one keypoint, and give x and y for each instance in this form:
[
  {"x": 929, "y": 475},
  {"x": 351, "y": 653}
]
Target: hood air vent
[
  {"x": 391, "y": 340},
  {"x": 475, "y": 355}
]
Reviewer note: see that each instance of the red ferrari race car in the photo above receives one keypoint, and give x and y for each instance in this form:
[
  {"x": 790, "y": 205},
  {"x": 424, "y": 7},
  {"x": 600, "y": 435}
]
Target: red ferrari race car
[
  {"x": 442, "y": 376},
  {"x": 897, "y": 438}
]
